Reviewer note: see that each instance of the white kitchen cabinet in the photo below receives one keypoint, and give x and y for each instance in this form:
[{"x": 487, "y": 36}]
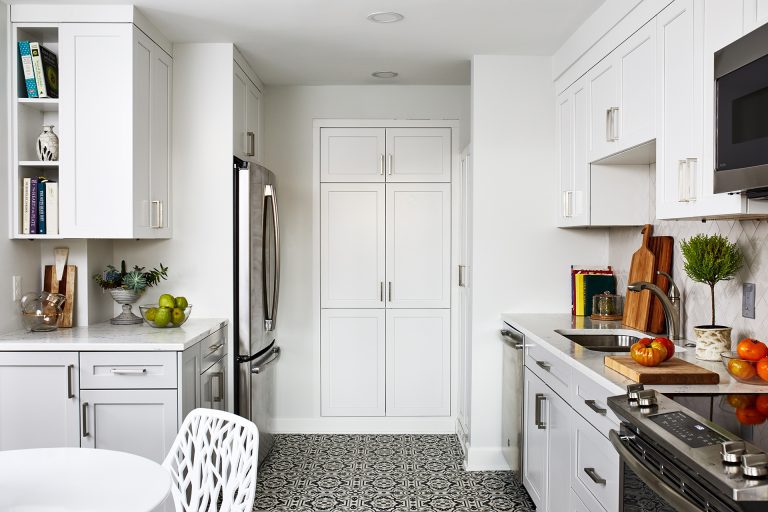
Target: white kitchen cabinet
[
  {"x": 755, "y": 14},
  {"x": 602, "y": 83},
  {"x": 39, "y": 398},
  {"x": 138, "y": 421},
  {"x": 117, "y": 136},
  {"x": 418, "y": 241},
  {"x": 418, "y": 154},
  {"x": 352, "y": 154},
  {"x": 213, "y": 386},
  {"x": 352, "y": 232},
  {"x": 352, "y": 359},
  {"x": 572, "y": 131},
  {"x": 595, "y": 471},
  {"x": 464, "y": 306},
  {"x": 246, "y": 117},
  {"x": 418, "y": 362}
]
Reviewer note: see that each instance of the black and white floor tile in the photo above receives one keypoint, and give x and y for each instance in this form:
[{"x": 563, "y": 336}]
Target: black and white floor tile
[{"x": 380, "y": 473}]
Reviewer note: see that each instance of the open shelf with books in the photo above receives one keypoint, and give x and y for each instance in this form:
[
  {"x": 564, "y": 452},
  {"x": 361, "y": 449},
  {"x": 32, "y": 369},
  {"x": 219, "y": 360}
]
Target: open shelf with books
[{"x": 35, "y": 104}]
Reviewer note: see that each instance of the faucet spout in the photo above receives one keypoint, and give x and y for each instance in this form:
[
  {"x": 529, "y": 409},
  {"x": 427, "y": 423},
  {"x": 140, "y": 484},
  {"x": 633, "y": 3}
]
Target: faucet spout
[{"x": 671, "y": 312}]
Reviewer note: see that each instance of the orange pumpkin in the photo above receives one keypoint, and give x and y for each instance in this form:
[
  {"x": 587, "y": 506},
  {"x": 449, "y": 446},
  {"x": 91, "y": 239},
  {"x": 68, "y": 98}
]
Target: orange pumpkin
[{"x": 648, "y": 354}]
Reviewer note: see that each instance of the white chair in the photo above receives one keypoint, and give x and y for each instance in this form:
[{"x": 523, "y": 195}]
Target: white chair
[{"x": 213, "y": 461}]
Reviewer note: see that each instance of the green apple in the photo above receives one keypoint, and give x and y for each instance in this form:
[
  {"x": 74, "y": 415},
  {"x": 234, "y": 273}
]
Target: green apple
[
  {"x": 166, "y": 300},
  {"x": 162, "y": 317},
  {"x": 177, "y": 317},
  {"x": 181, "y": 302},
  {"x": 150, "y": 314}
]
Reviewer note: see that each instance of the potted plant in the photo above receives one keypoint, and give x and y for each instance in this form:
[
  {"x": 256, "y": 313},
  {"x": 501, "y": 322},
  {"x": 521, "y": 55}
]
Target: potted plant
[
  {"x": 709, "y": 260},
  {"x": 126, "y": 287}
]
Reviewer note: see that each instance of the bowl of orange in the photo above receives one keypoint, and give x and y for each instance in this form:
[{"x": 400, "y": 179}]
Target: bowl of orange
[{"x": 749, "y": 364}]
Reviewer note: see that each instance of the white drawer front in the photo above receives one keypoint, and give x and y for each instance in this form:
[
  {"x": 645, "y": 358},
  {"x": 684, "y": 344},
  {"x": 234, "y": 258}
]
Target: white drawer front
[
  {"x": 590, "y": 400},
  {"x": 128, "y": 370},
  {"x": 595, "y": 456},
  {"x": 213, "y": 348},
  {"x": 555, "y": 372}
]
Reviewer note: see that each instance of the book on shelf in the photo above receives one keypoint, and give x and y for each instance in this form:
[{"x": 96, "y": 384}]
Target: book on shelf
[
  {"x": 50, "y": 72},
  {"x": 41, "y": 205},
  {"x": 589, "y": 285},
  {"x": 577, "y": 270},
  {"x": 37, "y": 68},
  {"x": 33, "y": 211},
  {"x": 25, "y": 197},
  {"x": 52, "y": 208},
  {"x": 25, "y": 56}
]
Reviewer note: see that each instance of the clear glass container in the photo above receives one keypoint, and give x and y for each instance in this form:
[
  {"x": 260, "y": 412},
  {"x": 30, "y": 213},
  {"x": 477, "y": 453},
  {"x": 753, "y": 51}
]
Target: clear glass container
[
  {"x": 40, "y": 311},
  {"x": 607, "y": 306}
]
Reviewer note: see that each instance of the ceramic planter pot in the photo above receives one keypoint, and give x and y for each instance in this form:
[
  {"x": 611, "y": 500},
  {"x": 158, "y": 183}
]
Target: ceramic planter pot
[
  {"x": 126, "y": 298},
  {"x": 711, "y": 341}
]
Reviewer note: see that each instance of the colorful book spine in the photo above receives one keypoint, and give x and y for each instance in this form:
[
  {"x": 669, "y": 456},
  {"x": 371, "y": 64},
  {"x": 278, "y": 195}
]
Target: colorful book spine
[
  {"x": 33, "y": 206},
  {"x": 52, "y": 207},
  {"x": 41, "y": 214},
  {"x": 26, "y": 65},
  {"x": 37, "y": 67},
  {"x": 25, "y": 197}
]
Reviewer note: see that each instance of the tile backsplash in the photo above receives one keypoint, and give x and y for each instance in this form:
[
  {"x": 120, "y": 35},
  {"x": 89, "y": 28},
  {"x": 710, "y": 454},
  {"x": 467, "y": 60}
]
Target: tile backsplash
[{"x": 750, "y": 235}]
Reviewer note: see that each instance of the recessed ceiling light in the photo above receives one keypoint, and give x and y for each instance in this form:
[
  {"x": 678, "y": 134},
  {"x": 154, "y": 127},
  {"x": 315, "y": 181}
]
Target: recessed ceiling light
[
  {"x": 385, "y": 17},
  {"x": 384, "y": 74}
]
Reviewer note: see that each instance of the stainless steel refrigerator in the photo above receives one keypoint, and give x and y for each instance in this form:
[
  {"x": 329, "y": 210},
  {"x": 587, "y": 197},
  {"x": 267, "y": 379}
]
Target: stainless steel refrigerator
[{"x": 257, "y": 282}]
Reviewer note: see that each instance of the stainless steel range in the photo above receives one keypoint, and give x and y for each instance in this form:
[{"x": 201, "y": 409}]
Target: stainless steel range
[{"x": 676, "y": 459}]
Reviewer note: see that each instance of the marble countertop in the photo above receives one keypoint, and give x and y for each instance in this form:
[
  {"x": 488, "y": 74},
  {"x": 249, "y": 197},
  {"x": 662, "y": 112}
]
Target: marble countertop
[
  {"x": 108, "y": 337},
  {"x": 542, "y": 327}
]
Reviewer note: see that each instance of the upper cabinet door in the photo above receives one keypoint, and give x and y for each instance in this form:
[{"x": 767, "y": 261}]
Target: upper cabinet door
[
  {"x": 637, "y": 63},
  {"x": 352, "y": 241},
  {"x": 603, "y": 90},
  {"x": 418, "y": 245},
  {"x": 418, "y": 155},
  {"x": 253, "y": 133},
  {"x": 352, "y": 154},
  {"x": 240, "y": 100},
  {"x": 572, "y": 126}
]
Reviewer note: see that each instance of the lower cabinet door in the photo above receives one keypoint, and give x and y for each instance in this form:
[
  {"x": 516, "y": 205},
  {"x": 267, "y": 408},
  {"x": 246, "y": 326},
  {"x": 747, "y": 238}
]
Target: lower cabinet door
[
  {"x": 595, "y": 467},
  {"x": 352, "y": 362},
  {"x": 559, "y": 415},
  {"x": 138, "y": 421},
  {"x": 535, "y": 452},
  {"x": 576, "y": 504},
  {"x": 418, "y": 362},
  {"x": 213, "y": 384}
]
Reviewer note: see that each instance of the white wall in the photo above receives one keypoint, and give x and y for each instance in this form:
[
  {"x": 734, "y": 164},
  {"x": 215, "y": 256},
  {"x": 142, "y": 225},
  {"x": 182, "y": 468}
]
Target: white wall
[
  {"x": 520, "y": 260},
  {"x": 289, "y": 114},
  {"x": 17, "y": 257}
]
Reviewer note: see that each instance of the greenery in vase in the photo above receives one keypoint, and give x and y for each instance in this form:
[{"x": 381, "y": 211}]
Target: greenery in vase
[
  {"x": 709, "y": 260},
  {"x": 138, "y": 279}
]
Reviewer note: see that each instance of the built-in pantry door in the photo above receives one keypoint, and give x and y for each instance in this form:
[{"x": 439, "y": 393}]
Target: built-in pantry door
[
  {"x": 418, "y": 155},
  {"x": 464, "y": 296},
  {"x": 352, "y": 154}
]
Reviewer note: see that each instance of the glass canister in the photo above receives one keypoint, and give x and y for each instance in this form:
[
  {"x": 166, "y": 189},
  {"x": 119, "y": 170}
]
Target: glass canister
[
  {"x": 40, "y": 311},
  {"x": 607, "y": 306}
]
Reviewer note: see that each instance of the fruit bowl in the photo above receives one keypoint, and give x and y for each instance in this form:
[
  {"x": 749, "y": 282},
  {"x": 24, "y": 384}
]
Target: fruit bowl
[
  {"x": 742, "y": 370},
  {"x": 154, "y": 316}
]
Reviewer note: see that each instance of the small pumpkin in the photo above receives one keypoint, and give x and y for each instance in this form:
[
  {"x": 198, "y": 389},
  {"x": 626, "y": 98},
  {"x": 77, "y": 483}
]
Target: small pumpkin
[{"x": 648, "y": 353}]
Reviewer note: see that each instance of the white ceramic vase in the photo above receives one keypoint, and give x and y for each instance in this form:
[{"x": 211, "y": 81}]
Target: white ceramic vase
[
  {"x": 711, "y": 341},
  {"x": 125, "y": 298},
  {"x": 48, "y": 145}
]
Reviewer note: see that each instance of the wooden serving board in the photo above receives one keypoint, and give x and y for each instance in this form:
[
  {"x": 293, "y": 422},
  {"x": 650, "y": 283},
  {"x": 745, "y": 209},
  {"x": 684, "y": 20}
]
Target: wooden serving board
[
  {"x": 637, "y": 306},
  {"x": 674, "y": 371},
  {"x": 65, "y": 287},
  {"x": 662, "y": 248}
]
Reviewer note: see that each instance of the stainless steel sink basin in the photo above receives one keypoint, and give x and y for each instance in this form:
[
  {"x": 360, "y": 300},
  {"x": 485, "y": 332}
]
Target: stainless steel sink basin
[{"x": 603, "y": 342}]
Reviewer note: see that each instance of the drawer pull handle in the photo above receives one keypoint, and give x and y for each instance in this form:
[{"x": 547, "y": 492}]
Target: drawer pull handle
[
  {"x": 544, "y": 365},
  {"x": 591, "y": 473},
  {"x": 599, "y": 410},
  {"x": 85, "y": 420},
  {"x": 214, "y": 348},
  {"x": 129, "y": 371},
  {"x": 540, "y": 424}
]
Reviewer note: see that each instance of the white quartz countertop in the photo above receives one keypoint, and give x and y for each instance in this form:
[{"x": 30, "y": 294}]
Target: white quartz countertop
[
  {"x": 108, "y": 337},
  {"x": 542, "y": 327}
]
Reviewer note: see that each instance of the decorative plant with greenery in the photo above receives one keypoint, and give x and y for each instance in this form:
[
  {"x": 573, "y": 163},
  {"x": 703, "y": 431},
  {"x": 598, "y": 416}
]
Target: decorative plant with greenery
[
  {"x": 709, "y": 260},
  {"x": 137, "y": 279}
]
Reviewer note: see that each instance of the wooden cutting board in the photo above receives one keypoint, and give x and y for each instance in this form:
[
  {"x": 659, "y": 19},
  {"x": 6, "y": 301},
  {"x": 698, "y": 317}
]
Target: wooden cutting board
[
  {"x": 66, "y": 287},
  {"x": 637, "y": 306},
  {"x": 662, "y": 248},
  {"x": 674, "y": 371}
]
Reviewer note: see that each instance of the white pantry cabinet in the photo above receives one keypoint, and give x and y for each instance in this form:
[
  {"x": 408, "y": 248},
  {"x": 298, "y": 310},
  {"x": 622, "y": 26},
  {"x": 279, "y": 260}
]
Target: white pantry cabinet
[
  {"x": 115, "y": 140},
  {"x": 755, "y": 14},
  {"x": 418, "y": 154},
  {"x": 418, "y": 362},
  {"x": 247, "y": 117},
  {"x": 352, "y": 359},
  {"x": 39, "y": 398}
]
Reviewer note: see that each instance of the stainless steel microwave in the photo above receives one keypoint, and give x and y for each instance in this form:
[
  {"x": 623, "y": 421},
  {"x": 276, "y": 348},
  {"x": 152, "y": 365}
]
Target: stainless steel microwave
[{"x": 741, "y": 114}]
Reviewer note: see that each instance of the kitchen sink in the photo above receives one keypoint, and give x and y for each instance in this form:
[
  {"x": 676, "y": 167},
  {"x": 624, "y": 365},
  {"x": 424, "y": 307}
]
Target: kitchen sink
[{"x": 602, "y": 342}]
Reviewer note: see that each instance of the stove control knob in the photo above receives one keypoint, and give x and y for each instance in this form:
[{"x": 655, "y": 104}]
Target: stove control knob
[
  {"x": 754, "y": 465},
  {"x": 633, "y": 390},
  {"x": 647, "y": 398},
  {"x": 732, "y": 451}
]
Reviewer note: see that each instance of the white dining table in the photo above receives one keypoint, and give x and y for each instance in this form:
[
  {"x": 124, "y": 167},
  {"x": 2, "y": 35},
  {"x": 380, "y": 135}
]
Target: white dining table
[{"x": 80, "y": 479}]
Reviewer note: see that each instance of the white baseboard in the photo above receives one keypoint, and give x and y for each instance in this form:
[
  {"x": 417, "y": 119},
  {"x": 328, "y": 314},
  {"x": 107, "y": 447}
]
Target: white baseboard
[
  {"x": 391, "y": 425},
  {"x": 485, "y": 459}
]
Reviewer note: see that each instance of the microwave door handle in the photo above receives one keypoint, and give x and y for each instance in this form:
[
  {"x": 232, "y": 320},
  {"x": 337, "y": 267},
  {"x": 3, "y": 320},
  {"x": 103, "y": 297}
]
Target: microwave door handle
[{"x": 671, "y": 496}]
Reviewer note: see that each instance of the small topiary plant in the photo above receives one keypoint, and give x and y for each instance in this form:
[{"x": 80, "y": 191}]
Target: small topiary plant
[{"x": 709, "y": 260}]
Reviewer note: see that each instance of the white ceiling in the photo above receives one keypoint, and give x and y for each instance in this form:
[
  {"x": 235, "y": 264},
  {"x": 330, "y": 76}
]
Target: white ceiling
[{"x": 314, "y": 42}]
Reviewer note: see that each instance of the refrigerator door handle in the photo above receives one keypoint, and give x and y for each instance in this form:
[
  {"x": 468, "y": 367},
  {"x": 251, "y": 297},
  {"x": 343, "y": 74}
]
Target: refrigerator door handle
[
  {"x": 273, "y": 356},
  {"x": 270, "y": 316}
]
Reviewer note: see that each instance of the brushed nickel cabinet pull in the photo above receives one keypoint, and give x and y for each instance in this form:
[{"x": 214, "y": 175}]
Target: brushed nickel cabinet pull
[
  {"x": 599, "y": 410},
  {"x": 70, "y": 390},
  {"x": 85, "y": 420},
  {"x": 389, "y": 291},
  {"x": 537, "y": 419},
  {"x": 591, "y": 473}
]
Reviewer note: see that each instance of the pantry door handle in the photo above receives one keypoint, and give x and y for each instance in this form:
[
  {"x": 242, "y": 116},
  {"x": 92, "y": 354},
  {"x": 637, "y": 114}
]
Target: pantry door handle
[
  {"x": 389, "y": 291},
  {"x": 599, "y": 410},
  {"x": 85, "y": 420},
  {"x": 540, "y": 397},
  {"x": 70, "y": 391},
  {"x": 382, "y": 164},
  {"x": 390, "y": 163},
  {"x": 381, "y": 291},
  {"x": 591, "y": 473}
]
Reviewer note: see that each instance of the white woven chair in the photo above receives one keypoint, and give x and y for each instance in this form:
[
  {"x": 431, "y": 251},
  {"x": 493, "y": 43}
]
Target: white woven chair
[{"x": 213, "y": 463}]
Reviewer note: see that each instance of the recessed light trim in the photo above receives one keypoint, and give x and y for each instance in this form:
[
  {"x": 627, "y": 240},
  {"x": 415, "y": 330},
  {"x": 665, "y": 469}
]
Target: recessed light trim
[
  {"x": 385, "y": 17},
  {"x": 384, "y": 74}
]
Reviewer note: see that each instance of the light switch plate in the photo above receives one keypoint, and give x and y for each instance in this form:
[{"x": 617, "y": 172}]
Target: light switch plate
[{"x": 748, "y": 301}]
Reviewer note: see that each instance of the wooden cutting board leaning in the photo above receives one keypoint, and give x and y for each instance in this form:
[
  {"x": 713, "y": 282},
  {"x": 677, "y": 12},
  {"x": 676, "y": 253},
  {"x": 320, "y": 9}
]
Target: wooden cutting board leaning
[
  {"x": 60, "y": 278},
  {"x": 637, "y": 305},
  {"x": 673, "y": 371}
]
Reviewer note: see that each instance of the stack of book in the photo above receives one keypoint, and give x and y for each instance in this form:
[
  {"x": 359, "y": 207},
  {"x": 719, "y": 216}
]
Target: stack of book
[
  {"x": 41, "y": 70},
  {"x": 40, "y": 207},
  {"x": 587, "y": 281}
]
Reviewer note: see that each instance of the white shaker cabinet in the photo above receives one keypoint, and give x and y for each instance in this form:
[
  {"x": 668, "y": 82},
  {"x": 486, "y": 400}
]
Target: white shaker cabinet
[
  {"x": 352, "y": 245},
  {"x": 418, "y": 234},
  {"x": 755, "y": 14},
  {"x": 115, "y": 131},
  {"x": 247, "y": 117},
  {"x": 352, "y": 359},
  {"x": 602, "y": 83},
  {"x": 418, "y": 154},
  {"x": 352, "y": 154},
  {"x": 572, "y": 126},
  {"x": 39, "y": 398},
  {"x": 418, "y": 362}
]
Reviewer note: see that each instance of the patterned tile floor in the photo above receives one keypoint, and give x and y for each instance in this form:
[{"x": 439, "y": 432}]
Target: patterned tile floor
[{"x": 380, "y": 473}]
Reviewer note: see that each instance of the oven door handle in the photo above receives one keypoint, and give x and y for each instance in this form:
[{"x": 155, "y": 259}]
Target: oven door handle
[{"x": 670, "y": 495}]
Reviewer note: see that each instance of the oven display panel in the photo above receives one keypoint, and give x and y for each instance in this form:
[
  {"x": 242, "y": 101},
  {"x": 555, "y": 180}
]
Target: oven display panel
[{"x": 687, "y": 429}]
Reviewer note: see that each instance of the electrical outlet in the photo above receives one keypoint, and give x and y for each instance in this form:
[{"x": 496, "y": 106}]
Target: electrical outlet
[
  {"x": 16, "y": 287},
  {"x": 748, "y": 301}
]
